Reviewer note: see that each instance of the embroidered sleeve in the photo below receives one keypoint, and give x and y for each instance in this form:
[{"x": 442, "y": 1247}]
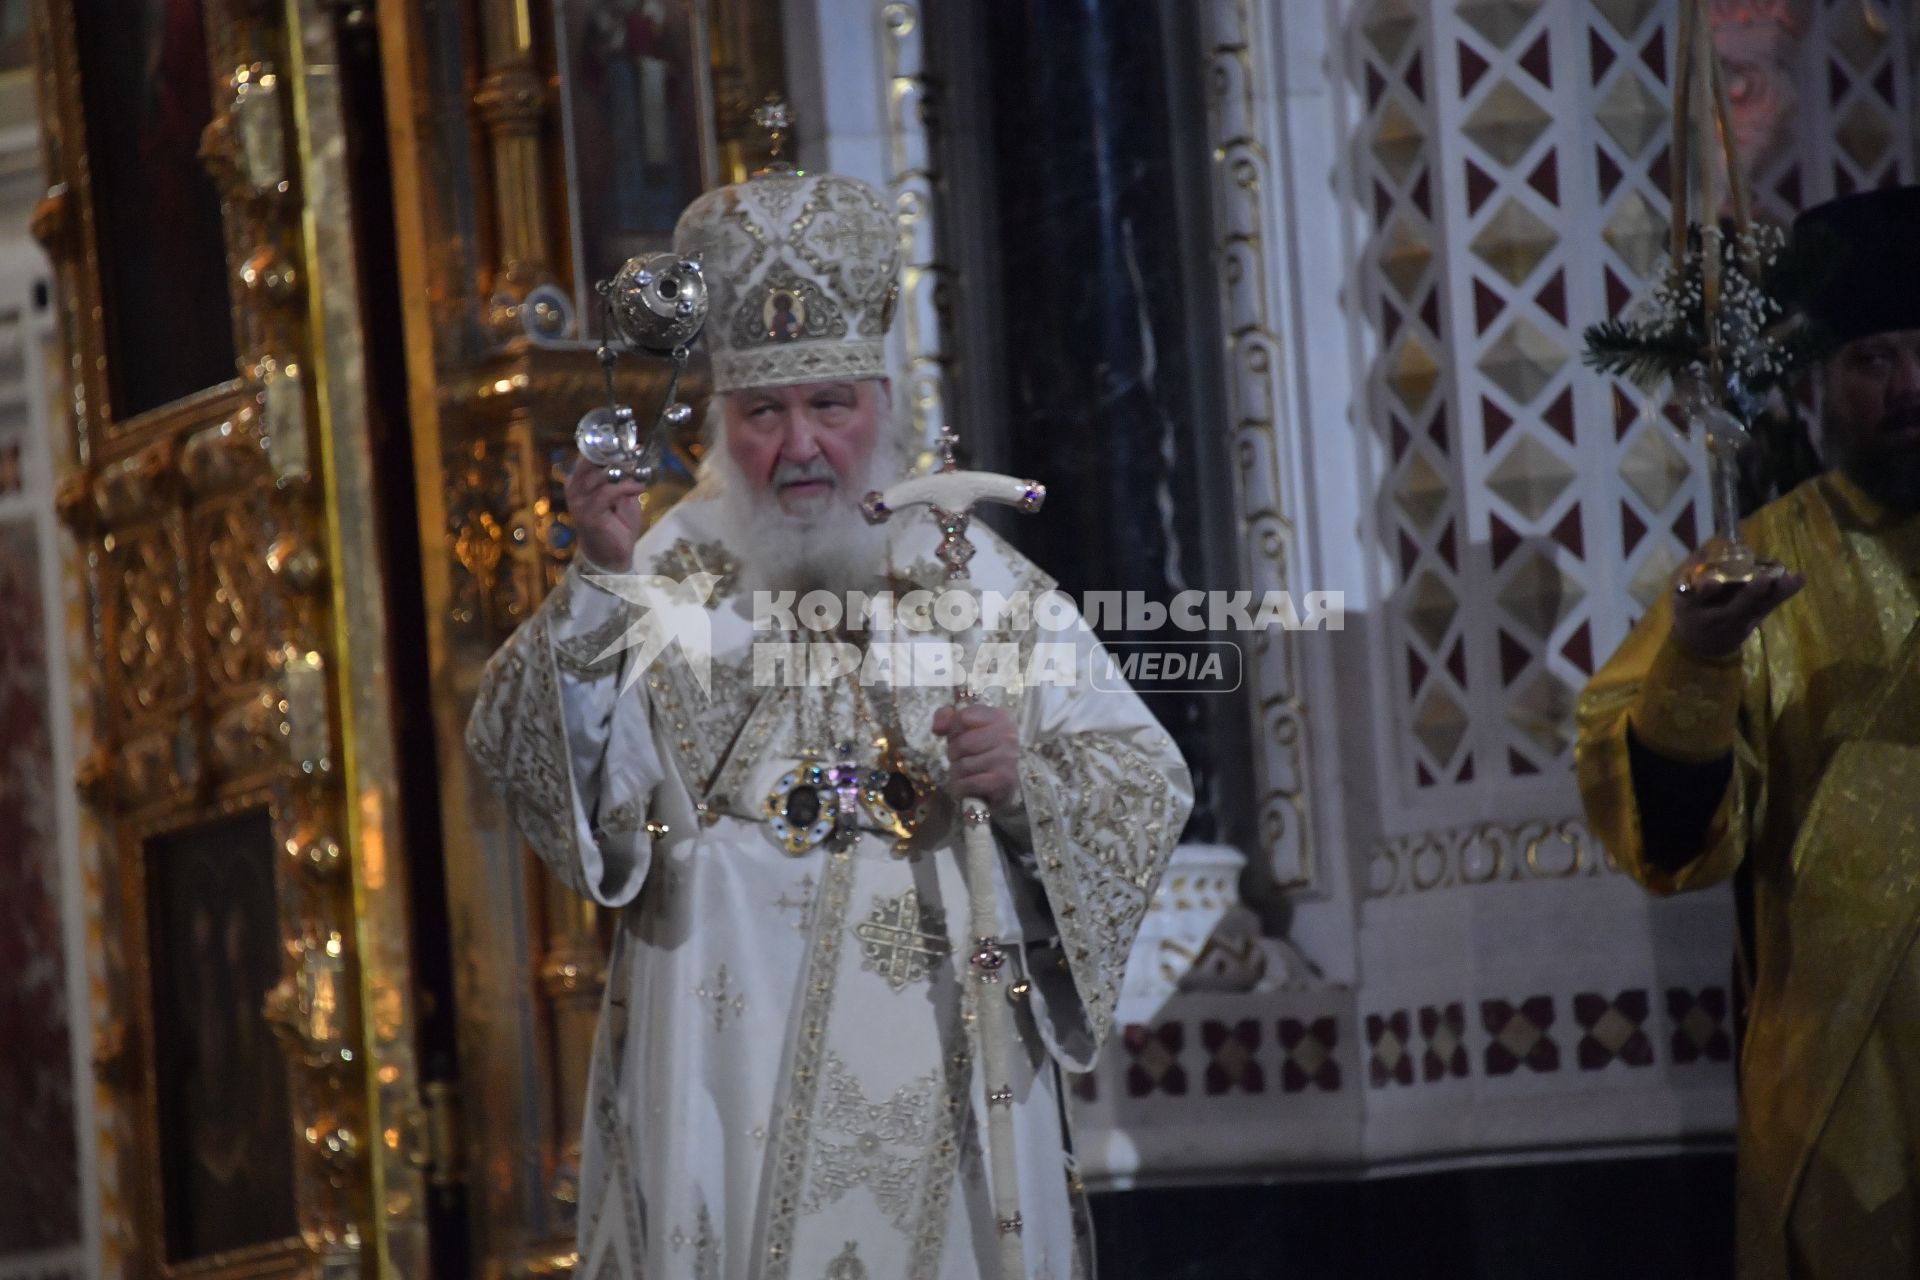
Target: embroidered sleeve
[
  {"x": 1688, "y": 707},
  {"x": 573, "y": 763},
  {"x": 1106, "y": 796},
  {"x": 586, "y": 626},
  {"x": 586, "y": 623},
  {"x": 1652, "y": 695}
]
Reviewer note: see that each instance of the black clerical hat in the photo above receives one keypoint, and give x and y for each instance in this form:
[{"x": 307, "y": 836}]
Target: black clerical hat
[{"x": 1868, "y": 250}]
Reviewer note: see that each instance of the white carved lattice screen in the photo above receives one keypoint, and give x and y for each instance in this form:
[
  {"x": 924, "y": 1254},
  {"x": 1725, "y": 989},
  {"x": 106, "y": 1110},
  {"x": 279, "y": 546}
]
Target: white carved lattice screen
[{"x": 1514, "y": 168}]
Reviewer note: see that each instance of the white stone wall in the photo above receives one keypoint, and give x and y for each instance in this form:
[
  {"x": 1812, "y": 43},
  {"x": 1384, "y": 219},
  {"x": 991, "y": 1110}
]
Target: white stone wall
[{"x": 1417, "y": 209}]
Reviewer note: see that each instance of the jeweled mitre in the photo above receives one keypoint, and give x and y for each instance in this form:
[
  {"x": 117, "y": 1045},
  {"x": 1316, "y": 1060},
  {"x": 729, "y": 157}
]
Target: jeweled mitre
[{"x": 804, "y": 274}]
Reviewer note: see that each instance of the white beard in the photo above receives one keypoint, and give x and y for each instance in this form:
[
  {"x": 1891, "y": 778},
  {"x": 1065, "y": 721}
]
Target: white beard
[{"x": 834, "y": 549}]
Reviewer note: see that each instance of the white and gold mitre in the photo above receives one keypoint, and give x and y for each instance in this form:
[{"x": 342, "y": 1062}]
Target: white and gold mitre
[{"x": 804, "y": 274}]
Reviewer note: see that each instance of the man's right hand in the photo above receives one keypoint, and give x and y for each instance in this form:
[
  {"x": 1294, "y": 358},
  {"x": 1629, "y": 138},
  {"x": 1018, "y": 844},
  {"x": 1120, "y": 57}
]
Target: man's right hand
[
  {"x": 1713, "y": 619},
  {"x": 606, "y": 516}
]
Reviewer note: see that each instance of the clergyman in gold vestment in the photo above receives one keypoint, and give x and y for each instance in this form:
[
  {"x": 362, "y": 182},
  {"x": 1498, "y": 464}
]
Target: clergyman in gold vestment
[{"x": 1777, "y": 724}]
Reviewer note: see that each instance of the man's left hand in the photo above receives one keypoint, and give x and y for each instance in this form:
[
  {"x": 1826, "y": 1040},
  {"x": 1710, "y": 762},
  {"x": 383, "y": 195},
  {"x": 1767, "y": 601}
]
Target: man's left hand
[{"x": 983, "y": 752}]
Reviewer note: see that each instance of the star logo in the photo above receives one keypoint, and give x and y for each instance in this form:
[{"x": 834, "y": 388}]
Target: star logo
[{"x": 667, "y": 611}]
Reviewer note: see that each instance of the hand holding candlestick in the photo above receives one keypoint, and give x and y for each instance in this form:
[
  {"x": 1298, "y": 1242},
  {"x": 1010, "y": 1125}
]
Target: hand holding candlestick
[
  {"x": 1712, "y": 619},
  {"x": 1727, "y": 590}
]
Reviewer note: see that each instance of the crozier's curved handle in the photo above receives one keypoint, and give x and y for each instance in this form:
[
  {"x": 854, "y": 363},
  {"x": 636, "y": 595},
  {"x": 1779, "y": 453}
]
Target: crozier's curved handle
[{"x": 954, "y": 491}]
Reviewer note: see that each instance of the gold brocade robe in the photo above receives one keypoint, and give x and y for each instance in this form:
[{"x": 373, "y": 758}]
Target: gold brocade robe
[
  {"x": 1821, "y": 710},
  {"x": 783, "y": 1083}
]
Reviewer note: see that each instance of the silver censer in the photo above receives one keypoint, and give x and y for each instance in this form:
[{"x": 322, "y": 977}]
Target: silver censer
[{"x": 656, "y": 305}]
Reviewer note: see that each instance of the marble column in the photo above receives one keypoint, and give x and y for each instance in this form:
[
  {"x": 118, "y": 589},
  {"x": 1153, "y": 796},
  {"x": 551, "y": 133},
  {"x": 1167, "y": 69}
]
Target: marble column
[{"x": 1108, "y": 365}]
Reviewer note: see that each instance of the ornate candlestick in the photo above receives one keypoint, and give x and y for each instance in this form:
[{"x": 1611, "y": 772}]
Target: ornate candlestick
[{"x": 1729, "y": 558}]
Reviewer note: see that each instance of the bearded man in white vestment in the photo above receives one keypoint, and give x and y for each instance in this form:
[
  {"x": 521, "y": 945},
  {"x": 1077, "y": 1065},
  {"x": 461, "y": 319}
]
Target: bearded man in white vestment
[{"x": 783, "y": 1079}]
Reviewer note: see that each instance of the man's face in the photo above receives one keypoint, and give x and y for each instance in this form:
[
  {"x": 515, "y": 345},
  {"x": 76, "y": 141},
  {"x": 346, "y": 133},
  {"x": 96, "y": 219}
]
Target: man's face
[
  {"x": 804, "y": 445},
  {"x": 1873, "y": 415}
]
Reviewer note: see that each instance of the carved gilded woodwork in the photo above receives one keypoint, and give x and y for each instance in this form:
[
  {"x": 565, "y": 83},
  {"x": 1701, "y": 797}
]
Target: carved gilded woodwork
[
  {"x": 236, "y": 592},
  {"x": 499, "y": 370},
  {"x": 747, "y": 55},
  {"x": 230, "y": 681}
]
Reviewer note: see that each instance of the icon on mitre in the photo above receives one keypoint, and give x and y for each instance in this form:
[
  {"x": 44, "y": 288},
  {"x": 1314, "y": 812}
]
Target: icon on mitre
[{"x": 785, "y": 315}]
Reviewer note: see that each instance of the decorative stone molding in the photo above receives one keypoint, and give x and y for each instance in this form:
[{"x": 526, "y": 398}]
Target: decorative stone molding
[
  {"x": 1491, "y": 853},
  {"x": 1247, "y": 218}
]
